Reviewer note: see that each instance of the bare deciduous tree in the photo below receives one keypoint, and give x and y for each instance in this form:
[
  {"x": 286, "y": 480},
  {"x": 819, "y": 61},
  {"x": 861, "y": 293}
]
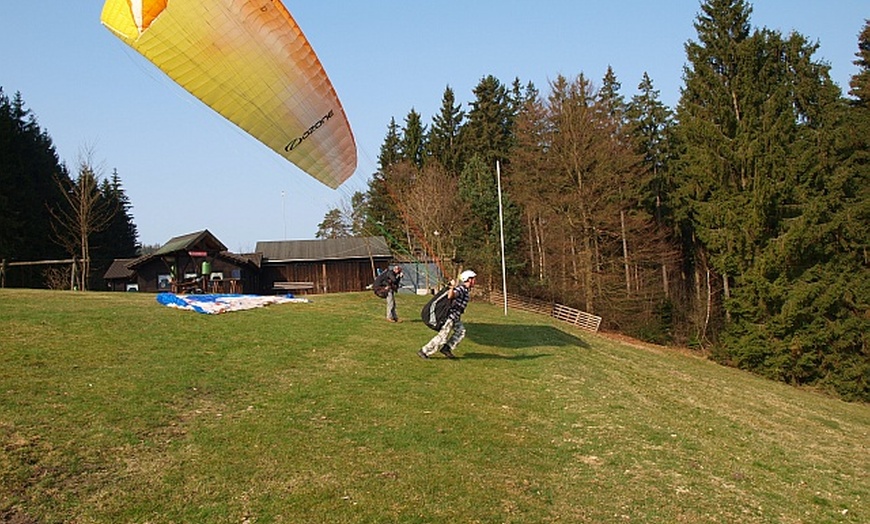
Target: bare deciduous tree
[
  {"x": 431, "y": 202},
  {"x": 85, "y": 212}
]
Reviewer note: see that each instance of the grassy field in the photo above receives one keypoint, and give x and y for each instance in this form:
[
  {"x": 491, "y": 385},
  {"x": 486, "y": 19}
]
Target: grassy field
[{"x": 116, "y": 409}]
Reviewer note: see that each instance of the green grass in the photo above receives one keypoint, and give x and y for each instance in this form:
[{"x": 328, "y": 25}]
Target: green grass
[{"x": 116, "y": 409}]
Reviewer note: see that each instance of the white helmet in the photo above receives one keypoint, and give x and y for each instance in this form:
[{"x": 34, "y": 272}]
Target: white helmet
[{"x": 467, "y": 275}]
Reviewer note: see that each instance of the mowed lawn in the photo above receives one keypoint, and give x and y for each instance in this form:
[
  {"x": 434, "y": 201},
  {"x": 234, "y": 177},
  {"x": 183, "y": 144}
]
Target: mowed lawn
[{"x": 114, "y": 408}]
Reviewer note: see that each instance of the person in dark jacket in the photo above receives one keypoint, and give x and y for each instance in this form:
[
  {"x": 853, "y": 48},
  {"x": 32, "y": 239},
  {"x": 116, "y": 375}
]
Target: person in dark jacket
[{"x": 390, "y": 280}]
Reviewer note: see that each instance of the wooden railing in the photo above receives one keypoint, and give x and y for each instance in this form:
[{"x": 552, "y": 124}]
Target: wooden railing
[{"x": 575, "y": 317}]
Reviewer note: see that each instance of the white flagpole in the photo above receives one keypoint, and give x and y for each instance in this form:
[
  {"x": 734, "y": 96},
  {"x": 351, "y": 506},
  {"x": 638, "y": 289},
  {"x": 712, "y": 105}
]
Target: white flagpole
[{"x": 501, "y": 232}]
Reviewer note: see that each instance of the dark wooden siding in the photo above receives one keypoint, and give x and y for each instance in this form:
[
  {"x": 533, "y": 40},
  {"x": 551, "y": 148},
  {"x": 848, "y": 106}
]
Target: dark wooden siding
[
  {"x": 329, "y": 276},
  {"x": 147, "y": 273}
]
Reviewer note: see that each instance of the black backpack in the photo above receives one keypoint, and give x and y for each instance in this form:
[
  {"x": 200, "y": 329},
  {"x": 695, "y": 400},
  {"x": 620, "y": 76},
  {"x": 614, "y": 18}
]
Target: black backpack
[
  {"x": 434, "y": 313},
  {"x": 381, "y": 286}
]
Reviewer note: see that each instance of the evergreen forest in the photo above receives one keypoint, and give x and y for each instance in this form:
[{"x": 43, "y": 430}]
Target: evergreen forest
[
  {"x": 736, "y": 222},
  {"x": 50, "y": 214}
]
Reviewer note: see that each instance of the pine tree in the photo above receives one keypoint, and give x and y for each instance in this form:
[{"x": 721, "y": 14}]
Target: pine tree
[
  {"x": 651, "y": 128},
  {"x": 819, "y": 285},
  {"x": 481, "y": 234},
  {"x": 715, "y": 215},
  {"x": 413, "y": 142},
  {"x": 860, "y": 83},
  {"x": 120, "y": 237},
  {"x": 487, "y": 139},
  {"x": 765, "y": 197},
  {"x": 382, "y": 214},
  {"x": 28, "y": 168},
  {"x": 444, "y": 134},
  {"x": 391, "y": 149},
  {"x": 349, "y": 219},
  {"x": 358, "y": 214},
  {"x": 488, "y": 131},
  {"x": 611, "y": 100},
  {"x": 333, "y": 225}
]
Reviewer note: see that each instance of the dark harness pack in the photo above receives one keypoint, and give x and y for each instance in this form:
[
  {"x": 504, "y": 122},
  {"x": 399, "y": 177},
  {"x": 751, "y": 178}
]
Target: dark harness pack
[{"x": 434, "y": 313}]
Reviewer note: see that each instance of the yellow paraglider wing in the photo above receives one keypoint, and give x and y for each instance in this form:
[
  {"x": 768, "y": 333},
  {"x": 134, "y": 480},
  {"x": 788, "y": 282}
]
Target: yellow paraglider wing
[{"x": 249, "y": 61}]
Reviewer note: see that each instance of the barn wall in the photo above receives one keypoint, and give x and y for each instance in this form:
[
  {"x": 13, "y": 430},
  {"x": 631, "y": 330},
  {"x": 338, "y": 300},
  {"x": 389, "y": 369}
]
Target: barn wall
[{"x": 330, "y": 276}]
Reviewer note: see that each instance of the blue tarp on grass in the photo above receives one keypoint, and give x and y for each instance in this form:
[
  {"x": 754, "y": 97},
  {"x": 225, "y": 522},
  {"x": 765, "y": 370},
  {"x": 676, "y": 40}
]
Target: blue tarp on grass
[{"x": 214, "y": 304}]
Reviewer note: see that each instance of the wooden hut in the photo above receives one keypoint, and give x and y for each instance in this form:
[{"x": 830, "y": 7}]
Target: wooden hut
[
  {"x": 334, "y": 265},
  {"x": 119, "y": 276},
  {"x": 196, "y": 263}
]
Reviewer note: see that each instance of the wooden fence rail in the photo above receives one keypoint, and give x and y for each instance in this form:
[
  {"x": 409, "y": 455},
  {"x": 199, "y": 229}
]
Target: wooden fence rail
[
  {"x": 575, "y": 317},
  {"x": 5, "y": 265}
]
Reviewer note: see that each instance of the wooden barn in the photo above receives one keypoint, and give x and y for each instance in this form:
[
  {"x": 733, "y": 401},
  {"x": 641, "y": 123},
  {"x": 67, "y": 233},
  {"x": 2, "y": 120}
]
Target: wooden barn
[{"x": 333, "y": 265}]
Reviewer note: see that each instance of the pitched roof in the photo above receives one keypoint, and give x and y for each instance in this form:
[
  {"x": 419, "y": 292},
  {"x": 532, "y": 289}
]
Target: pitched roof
[
  {"x": 200, "y": 240},
  {"x": 324, "y": 249},
  {"x": 120, "y": 269},
  {"x": 241, "y": 259}
]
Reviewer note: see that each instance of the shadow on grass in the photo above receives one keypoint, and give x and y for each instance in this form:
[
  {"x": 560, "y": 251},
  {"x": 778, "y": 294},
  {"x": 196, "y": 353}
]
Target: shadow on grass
[{"x": 520, "y": 336}]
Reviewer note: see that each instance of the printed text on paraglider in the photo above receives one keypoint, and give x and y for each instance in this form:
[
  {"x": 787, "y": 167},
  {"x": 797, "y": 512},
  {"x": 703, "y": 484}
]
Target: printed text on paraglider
[{"x": 296, "y": 141}]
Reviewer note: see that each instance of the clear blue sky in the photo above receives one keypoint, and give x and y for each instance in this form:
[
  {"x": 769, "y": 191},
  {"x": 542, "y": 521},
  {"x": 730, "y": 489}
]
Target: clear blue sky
[{"x": 185, "y": 168}]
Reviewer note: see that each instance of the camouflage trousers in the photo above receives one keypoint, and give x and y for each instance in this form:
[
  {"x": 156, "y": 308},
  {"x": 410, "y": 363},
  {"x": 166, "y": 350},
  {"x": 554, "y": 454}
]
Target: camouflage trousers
[{"x": 450, "y": 335}]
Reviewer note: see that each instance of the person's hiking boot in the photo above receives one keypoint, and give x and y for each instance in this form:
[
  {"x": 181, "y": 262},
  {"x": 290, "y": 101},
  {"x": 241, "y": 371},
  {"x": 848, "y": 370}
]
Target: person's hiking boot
[
  {"x": 446, "y": 352},
  {"x": 422, "y": 355}
]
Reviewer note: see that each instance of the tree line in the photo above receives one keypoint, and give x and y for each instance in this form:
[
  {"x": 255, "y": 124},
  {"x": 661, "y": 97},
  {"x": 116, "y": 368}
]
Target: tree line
[
  {"x": 48, "y": 213},
  {"x": 735, "y": 222}
]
